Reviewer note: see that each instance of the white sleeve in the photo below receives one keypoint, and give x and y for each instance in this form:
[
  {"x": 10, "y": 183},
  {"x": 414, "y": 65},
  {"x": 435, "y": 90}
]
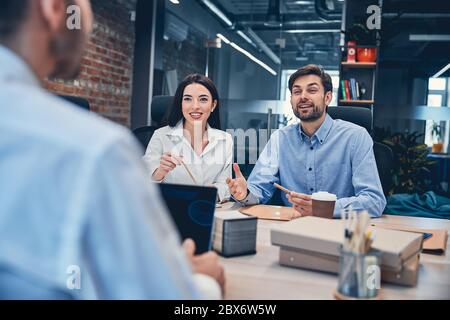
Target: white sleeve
[
  {"x": 208, "y": 287},
  {"x": 223, "y": 191},
  {"x": 153, "y": 153}
]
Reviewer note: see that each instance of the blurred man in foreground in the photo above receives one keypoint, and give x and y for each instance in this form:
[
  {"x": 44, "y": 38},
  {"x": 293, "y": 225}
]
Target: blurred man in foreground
[{"x": 78, "y": 218}]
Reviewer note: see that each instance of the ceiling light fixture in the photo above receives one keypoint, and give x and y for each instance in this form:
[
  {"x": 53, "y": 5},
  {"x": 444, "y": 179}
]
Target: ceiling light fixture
[
  {"x": 217, "y": 12},
  {"x": 273, "y": 14},
  {"x": 429, "y": 37},
  {"x": 246, "y": 53},
  {"x": 246, "y": 38},
  {"x": 442, "y": 71},
  {"x": 262, "y": 45},
  {"x": 222, "y": 37},
  {"x": 314, "y": 31}
]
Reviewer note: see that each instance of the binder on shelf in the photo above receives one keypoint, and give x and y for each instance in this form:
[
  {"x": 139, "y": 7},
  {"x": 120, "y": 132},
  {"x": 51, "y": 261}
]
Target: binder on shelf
[
  {"x": 347, "y": 90},
  {"x": 358, "y": 93},
  {"x": 353, "y": 88},
  {"x": 344, "y": 95}
]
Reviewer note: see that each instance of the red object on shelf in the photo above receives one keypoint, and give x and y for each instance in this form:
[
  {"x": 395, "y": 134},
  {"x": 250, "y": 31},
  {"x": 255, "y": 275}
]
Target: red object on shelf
[
  {"x": 347, "y": 90},
  {"x": 351, "y": 51},
  {"x": 366, "y": 54}
]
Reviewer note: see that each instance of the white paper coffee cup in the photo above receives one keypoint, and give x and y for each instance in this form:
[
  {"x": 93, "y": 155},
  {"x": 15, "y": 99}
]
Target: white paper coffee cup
[{"x": 323, "y": 204}]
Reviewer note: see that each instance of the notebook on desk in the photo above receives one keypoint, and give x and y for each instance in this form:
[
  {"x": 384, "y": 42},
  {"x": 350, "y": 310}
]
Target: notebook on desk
[
  {"x": 267, "y": 212},
  {"x": 192, "y": 209},
  {"x": 435, "y": 240}
]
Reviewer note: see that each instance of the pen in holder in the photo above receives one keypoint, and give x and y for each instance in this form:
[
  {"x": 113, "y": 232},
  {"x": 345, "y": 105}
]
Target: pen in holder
[
  {"x": 359, "y": 264},
  {"x": 359, "y": 275}
]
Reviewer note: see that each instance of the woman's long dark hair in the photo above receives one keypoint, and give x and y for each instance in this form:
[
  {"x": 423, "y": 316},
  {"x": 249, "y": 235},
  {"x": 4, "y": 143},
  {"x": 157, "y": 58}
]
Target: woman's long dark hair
[{"x": 175, "y": 113}]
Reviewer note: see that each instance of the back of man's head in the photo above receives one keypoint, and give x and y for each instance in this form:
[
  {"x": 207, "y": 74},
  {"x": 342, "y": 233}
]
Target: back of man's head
[
  {"x": 12, "y": 15},
  {"x": 39, "y": 32}
]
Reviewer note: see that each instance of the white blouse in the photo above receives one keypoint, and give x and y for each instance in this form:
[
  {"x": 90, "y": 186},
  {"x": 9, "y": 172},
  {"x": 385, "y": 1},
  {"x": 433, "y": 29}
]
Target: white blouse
[{"x": 212, "y": 167}]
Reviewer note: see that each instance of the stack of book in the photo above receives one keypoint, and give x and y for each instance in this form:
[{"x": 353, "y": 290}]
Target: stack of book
[
  {"x": 351, "y": 89},
  {"x": 234, "y": 234},
  {"x": 313, "y": 243}
]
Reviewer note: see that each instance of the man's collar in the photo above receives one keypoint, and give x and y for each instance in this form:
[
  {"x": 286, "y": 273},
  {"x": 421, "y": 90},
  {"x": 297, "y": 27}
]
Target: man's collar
[
  {"x": 14, "y": 68},
  {"x": 321, "y": 133}
]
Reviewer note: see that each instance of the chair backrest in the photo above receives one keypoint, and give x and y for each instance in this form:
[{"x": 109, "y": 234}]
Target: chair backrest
[
  {"x": 80, "y": 102},
  {"x": 384, "y": 158},
  {"x": 383, "y": 154},
  {"x": 159, "y": 108},
  {"x": 144, "y": 134},
  {"x": 357, "y": 115}
]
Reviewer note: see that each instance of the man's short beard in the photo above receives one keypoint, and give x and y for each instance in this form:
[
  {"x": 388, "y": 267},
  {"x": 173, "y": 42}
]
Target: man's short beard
[
  {"x": 67, "y": 49},
  {"x": 310, "y": 117}
]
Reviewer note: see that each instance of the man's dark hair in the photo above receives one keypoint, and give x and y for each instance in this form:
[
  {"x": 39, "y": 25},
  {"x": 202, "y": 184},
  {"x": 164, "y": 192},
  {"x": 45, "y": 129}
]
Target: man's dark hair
[
  {"x": 12, "y": 14},
  {"x": 175, "y": 113},
  {"x": 312, "y": 69}
]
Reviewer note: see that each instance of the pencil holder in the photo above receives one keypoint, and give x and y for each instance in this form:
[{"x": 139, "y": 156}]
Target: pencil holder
[{"x": 359, "y": 275}]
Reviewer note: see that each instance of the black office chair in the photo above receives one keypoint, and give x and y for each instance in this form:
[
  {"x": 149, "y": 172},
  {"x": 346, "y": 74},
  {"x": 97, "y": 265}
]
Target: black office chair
[
  {"x": 384, "y": 156},
  {"x": 78, "y": 101},
  {"x": 357, "y": 115},
  {"x": 159, "y": 107},
  {"x": 385, "y": 159}
]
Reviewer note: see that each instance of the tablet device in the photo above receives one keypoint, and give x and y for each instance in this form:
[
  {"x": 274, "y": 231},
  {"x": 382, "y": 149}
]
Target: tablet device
[{"x": 192, "y": 209}]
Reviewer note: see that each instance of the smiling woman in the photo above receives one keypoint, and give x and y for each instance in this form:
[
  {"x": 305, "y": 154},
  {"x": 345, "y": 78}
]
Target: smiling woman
[{"x": 192, "y": 149}]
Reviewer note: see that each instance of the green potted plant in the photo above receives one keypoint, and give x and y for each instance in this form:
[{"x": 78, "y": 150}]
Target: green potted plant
[
  {"x": 365, "y": 41},
  {"x": 411, "y": 165},
  {"x": 438, "y": 144}
]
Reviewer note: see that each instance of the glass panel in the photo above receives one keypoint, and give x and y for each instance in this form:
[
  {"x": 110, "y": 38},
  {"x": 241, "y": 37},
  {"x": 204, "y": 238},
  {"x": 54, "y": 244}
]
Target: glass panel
[
  {"x": 248, "y": 121},
  {"x": 183, "y": 52},
  {"x": 434, "y": 100},
  {"x": 335, "y": 79},
  {"x": 428, "y": 135},
  {"x": 437, "y": 83}
]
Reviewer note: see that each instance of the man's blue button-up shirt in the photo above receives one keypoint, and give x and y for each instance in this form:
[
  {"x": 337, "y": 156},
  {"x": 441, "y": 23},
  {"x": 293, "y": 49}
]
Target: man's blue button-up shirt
[{"x": 338, "y": 159}]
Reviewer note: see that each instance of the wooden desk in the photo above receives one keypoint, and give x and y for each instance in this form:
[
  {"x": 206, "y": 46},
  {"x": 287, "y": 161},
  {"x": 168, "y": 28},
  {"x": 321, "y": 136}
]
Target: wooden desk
[{"x": 260, "y": 276}]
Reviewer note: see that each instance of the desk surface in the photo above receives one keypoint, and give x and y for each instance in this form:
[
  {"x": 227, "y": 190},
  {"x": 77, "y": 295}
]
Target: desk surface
[{"x": 260, "y": 276}]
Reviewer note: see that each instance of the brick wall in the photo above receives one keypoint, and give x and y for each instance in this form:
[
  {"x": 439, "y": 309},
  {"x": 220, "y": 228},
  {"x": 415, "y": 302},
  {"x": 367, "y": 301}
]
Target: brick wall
[{"x": 105, "y": 80}]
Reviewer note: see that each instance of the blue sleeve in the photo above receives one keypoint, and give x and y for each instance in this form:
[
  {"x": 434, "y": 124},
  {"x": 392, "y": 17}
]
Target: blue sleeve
[
  {"x": 365, "y": 179},
  {"x": 130, "y": 243},
  {"x": 266, "y": 171}
]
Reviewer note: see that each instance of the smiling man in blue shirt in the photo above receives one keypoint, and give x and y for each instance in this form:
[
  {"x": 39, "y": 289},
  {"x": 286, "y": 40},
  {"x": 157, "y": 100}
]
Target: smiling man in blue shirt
[{"x": 320, "y": 154}]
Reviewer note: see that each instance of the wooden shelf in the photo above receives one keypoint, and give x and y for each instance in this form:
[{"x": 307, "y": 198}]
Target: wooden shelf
[
  {"x": 357, "y": 101},
  {"x": 360, "y": 46},
  {"x": 359, "y": 64}
]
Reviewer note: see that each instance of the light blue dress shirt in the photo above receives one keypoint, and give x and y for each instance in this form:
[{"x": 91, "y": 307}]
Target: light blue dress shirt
[
  {"x": 338, "y": 159},
  {"x": 75, "y": 196}
]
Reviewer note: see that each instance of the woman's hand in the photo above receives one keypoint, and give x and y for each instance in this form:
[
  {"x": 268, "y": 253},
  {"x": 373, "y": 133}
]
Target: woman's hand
[
  {"x": 237, "y": 186},
  {"x": 167, "y": 164}
]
